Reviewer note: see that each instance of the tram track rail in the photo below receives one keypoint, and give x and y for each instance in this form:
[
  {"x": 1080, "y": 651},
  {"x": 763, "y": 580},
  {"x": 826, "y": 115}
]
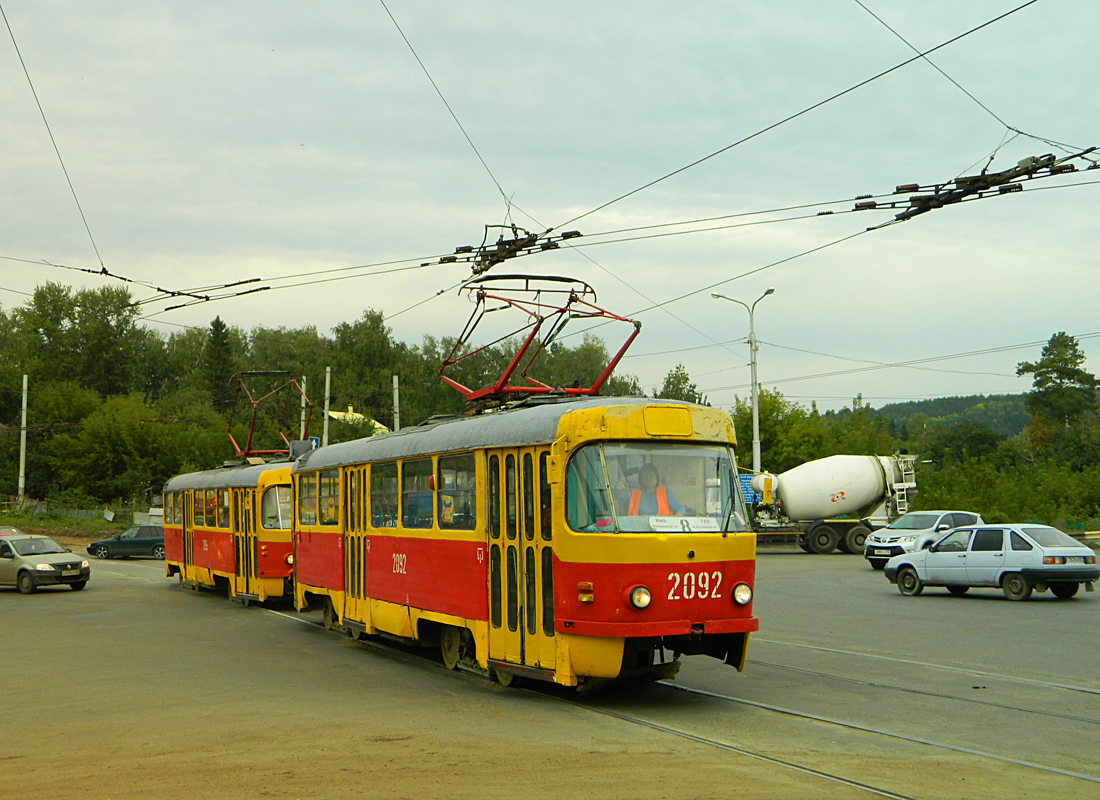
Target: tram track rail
[
  {"x": 886, "y": 733},
  {"x": 927, "y": 693},
  {"x": 945, "y": 667},
  {"x": 878, "y": 791}
]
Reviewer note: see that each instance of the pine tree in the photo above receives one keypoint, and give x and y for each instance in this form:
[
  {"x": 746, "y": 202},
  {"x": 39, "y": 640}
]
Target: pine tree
[{"x": 219, "y": 367}]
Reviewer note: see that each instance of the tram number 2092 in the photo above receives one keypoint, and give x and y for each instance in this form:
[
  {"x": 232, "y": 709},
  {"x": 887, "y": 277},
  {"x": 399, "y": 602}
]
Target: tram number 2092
[{"x": 691, "y": 585}]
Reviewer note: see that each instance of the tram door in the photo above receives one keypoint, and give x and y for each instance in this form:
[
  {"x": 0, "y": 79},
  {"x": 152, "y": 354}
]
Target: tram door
[
  {"x": 188, "y": 533},
  {"x": 244, "y": 543},
  {"x": 517, "y": 630}
]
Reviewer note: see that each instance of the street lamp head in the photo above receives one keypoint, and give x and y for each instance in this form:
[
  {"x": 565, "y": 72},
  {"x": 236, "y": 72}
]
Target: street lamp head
[{"x": 771, "y": 290}]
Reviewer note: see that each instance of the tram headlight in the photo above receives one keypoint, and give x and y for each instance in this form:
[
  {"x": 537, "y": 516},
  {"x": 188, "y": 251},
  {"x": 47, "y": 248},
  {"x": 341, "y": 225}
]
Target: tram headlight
[
  {"x": 742, "y": 594},
  {"x": 290, "y": 559},
  {"x": 640, "y": 597}
]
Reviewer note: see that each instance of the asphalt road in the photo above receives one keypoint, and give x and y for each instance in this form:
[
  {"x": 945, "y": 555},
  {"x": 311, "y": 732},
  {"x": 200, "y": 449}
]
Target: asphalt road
[{"x": 136, "y": 687}]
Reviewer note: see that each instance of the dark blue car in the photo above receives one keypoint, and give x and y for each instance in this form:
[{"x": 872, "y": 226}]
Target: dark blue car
[{"x": 140, "y": 540}]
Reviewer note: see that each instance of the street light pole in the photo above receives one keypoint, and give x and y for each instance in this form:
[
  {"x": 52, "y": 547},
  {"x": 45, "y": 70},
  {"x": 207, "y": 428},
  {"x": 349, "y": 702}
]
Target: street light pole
[{"x": 753, "y": 347}]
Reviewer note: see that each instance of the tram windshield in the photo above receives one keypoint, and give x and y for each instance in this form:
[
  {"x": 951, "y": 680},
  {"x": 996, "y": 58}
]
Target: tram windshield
[{"x": 653, "y": 488}]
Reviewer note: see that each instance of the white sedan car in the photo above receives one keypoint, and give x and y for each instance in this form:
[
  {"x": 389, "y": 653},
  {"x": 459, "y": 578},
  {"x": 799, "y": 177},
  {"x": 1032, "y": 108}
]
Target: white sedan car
[{"x": 1017, "y": 558}]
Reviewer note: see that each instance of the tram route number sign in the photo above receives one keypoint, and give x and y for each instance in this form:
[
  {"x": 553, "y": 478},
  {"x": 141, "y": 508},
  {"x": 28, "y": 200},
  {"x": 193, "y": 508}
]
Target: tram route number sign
[{"x": 683, "y": 524}]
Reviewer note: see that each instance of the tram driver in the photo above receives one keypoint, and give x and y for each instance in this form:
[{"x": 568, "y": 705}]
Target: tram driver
[{"x": 651, "y": 499}]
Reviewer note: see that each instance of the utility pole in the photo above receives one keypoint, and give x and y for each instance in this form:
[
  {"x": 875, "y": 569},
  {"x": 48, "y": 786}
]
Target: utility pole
[
  {"x": 396, "y": 405},
  {"x": 302, "y": 422},
  {"x": 753, "y": 347},
  {"x": 328, "y": 387},
  {"x": 23, "y": 448}
]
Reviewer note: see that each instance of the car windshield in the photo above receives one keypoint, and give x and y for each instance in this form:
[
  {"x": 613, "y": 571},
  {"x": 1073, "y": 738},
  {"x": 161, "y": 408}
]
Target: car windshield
[
  {"x": 1051, "y": 537},
  {"x": 914, "y": 522},
  {"x": 37, "y": 547},
  {"x": 653, "y": 488}
]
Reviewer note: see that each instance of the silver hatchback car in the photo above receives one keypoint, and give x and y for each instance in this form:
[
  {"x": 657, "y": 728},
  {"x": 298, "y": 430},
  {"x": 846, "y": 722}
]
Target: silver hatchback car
[{"x": 1017, "y": 558}]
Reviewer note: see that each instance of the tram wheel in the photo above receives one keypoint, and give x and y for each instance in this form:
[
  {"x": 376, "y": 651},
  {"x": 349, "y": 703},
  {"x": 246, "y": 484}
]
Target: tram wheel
[
  {"x": 506, "y": 679},
  {"x": 450, "y": 645},
  {"x": 329, "y": 616}
]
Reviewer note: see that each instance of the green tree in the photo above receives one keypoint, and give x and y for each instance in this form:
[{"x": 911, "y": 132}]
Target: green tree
[
  {"x": 789, "y": 434},
  {"x": 1062, "y": 388},
  {"x": 678, "y": 386},
  {"x": 219, "y": 366}
]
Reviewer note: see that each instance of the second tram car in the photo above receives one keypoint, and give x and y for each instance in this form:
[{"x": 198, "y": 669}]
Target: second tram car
[
  {"x": 230, "y": 528},
  {"x": 519, "y": 541}
]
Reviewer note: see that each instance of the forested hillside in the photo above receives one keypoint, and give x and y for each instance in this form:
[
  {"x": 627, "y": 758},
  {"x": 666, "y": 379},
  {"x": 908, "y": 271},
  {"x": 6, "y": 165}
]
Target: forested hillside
[
  {"x": 1001, "y": 413},
  {"x": 116, "y": 408}
]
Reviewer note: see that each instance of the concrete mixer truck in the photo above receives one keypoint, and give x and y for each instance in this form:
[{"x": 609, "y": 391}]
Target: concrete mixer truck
[{"x": 833, "y": 502}]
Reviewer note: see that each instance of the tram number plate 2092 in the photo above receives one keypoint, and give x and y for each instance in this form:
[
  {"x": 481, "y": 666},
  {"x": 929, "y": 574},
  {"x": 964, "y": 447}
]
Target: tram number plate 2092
[{"x": 694, "y": 585}]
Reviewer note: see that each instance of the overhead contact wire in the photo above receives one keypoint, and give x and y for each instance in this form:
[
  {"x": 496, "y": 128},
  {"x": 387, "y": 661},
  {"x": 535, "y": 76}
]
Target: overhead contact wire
[
  {"x": 798, "y": 114},
  {"x": 53, "y": 141}
]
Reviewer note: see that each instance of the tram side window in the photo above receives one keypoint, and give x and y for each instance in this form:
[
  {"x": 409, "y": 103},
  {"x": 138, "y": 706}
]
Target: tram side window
[
  {"x": 307, "y": 499},
  {"x": 330, "y": 497},
  {"x": 383, "y": 495},
  {"x": 197, "y": 499},
  {"x": 494, "y": 496},
  {"x": 588, "y": 507},
  {"x": 275, "y": 508},
  {"x": 351, "y": 498},
  {"x": 457, "y": 495},
  {"x": 544, "y": 495},
  {"x": 169, "y": 505},
  {"x": 211, "y": 503},
  {"x": 223, "y": 508},
  {"x": 416, "y": 493}
]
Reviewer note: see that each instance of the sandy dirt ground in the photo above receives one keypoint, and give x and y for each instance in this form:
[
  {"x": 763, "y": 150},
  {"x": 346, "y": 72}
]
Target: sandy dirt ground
[{"x": 137, "y": 688}]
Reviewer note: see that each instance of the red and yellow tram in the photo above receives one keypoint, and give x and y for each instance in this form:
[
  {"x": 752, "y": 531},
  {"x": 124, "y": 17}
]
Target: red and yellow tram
[
  {"x": 230, "y": 529},
  {"x": 518, "y": 543}
]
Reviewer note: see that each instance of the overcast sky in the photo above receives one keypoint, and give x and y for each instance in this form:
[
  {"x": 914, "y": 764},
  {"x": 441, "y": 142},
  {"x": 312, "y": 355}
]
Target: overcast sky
[{"x": 215, "y": 142}]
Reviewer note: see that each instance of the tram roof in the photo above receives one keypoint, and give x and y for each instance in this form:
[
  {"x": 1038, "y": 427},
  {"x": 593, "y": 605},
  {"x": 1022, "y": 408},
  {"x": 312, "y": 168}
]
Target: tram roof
[
  {"x": 513, "y": 427},
  {"x": 223, "y": 478}
]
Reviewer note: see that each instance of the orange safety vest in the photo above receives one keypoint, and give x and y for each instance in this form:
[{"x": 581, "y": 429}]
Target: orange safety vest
[{"x": 663, "y": 509}]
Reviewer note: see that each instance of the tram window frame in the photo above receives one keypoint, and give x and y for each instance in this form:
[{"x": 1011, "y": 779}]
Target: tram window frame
[
  {"x": 417, "y": 493},
  {"x": 512, "y": 587},
  {"x": 544, "y": 496},
  {"x": 511, "y": 499},
  {"x": 530, "y": 606},
  {"x": 211, "y": 503},
  {"x": 494, "y": 586},
  {"x": 494, "y": 496},
  {"x": 222, "y": 498},
  {"x": 307, "y": 499},
  {"x": 328, "y": 498},
  {"x": 456, "y": 487},
  {"x": 548, "y": 591},
  {"x": 196, "y": 508},
  {"x": 283, "y": 514},
  {"x": 528, "y": 498},
  {"x": 385, "y": 494}
]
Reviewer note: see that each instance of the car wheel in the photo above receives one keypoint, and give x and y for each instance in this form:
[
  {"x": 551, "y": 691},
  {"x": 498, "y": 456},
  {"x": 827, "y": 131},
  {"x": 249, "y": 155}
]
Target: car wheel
[
  {"x": 1015, "y": 587},
  {"x": 877, "y": 563},
  {"x": 158, "y": 551},
  {"x": 823, "y": 539},
  {"x": 909, "y": 583},
  {"x": 1064, "y": 591},
  {"x": 102, "y": 551},
  {"x": 76, "y": 586},
  {"x": 26, "y": 583},
  {"x": 958, "y": 591}
]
